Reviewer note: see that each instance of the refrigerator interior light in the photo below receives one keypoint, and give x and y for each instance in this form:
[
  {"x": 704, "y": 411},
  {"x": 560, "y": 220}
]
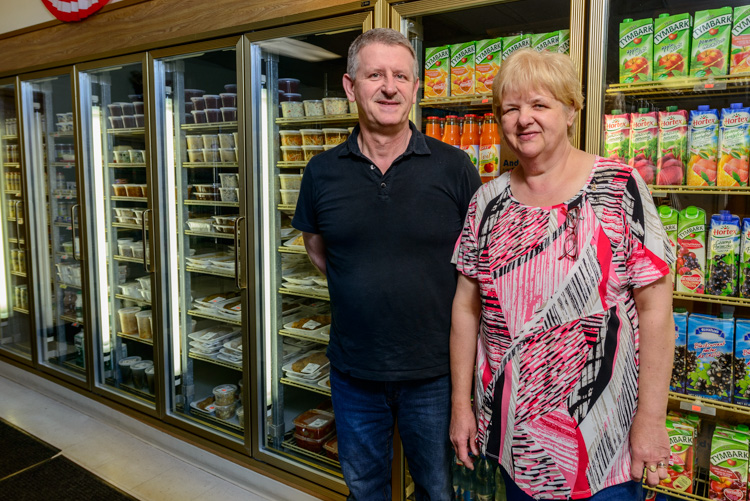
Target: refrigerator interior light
[
  {"x": 296, "y": 49},
  {"x": 101, "y": 239},
  {"x": 172, "y": 242},
  {"x": 266, "y": 215}
]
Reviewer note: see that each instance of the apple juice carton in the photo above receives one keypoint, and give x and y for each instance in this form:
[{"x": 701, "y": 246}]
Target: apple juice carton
[
  {"x": 710, "y": 348},
  {"x": 436, "y": 68},
  {"x": 734, "y": 145},
  {"x": 462, "y": 69},
  {"x": 723, "y": 254},
  {"x": 681, "y": 467},
  {"x": 644, "y": 137},
  {"x": 703, "y": 146},
  {"x": 669, "y": 218},
  {"x": 564, "y": 43},
  {"x": 671, "y": 45},
  {"x": 709, "y": 54},
  {"x": 617, "y": 136},
  {"x": 742, "y": 362},
  {"x": 514, "y": 43},
  {"x": 488, "y": 58},
  {"x": 727, "y": 478},
  {"x": 545, "y": 41},
  {"x": 740, "y": 49},
  {"x": 677, "y": 382},
  {"x": 744, "y": 272},
  {"x": 672, "y": 149},
  {"x": 636, "y": 50},
  {"x": 691, "y": 250}
]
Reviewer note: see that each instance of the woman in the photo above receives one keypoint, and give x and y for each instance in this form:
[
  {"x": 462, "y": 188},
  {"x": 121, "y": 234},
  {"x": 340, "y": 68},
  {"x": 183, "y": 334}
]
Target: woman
[{"x": 564, "y": 273}]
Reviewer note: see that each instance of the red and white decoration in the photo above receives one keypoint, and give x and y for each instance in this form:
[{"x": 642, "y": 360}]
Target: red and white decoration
[{"x": 73, "y": 10}]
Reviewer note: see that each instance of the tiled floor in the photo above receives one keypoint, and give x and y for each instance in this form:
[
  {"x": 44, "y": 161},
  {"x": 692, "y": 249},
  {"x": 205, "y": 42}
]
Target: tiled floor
[{"x": 140, "y": 460}]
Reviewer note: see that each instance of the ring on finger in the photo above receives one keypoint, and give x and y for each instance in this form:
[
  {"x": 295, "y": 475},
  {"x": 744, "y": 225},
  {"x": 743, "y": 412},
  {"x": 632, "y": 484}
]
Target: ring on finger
[
  {"x": 661, "y": 464},
  {"x": 651, "y": 468}
]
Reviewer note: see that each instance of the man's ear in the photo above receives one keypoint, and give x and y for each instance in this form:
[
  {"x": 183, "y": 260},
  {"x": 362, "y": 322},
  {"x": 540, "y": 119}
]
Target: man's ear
[{"x": 348, "y": 83}]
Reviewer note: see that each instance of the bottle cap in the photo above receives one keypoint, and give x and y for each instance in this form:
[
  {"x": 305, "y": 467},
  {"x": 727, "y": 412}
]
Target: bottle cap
[
  {"x": 628, "y": 20},
  {"x": 616, "y": 112},
  {"x": 703, "y": 107},
  {"x": 692, "y": 212},
  {"x": 643, "y": 110},
  {"x": 735, "y": 106},
  {"x": 665, "y": 210},
  {"x": 671, "y": 108},
  {"x": 666, "y": 14},
  {"x": 680, "y": 310}
]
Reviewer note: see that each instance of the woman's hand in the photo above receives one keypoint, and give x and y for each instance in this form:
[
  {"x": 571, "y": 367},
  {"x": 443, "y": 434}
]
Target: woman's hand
[
  {"x": 649, "y": 446},
  {"x": 463, "y": 434}
]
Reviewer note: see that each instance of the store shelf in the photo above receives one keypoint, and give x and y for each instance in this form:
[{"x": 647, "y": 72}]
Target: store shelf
[
  {"x": 139, "y": 302},
  {"x": 209, "y": 126},
  {"x": 14, "y": 240},
  {"x": 458, "y": 102},
  {"x": 685, "y": 87},
  {"x": 706, "y": 298},
  {"x": 64, "y": 194},
  {"x": 115, "y": 198},
  {"x": 211, "y": 360},
  {"x": 123, "y": 165},
  {"x": 62, "y": 134},
  {"x": 72, "y": 320},
  {"x": 291, "y": 443},
  {"x": 215, "y": 273},
  {"x": 131, "y": 131},
  {"x": 21, "y": 310},
  {"x": 66, "y": 164},
  {"x": 323, "y": 119},
  {"x": 291, "y": 165},
  {"x": 18, "y": 274},
  {"x": 127, "y": 226},
  {"x": 290, "y": 250},
  {"x": 74, "y": 367},
  {"x": 700, "y": 488},
  {"x": 62, "y": 225},
  {"x": 699, "y": 190},
  {"x": 209, "y": 235},
  {"x": 135, "y": 391},
  {"x": 233, "y": 423},
  {"x": 12, "y": 192},
  {"x": 134, "y": 337},
  {"x": 9, "y": 137},
  {"x": 310, "y": 387},
  {"x": 304, "y": 337},
  {"x": 287, "y": 207},
  {"x": 711, "y": 405},
  {"x": 210, "y": 165},
  {"x": 200, "y": 314},
  {"x": 211, "y": 203},
  {"x": 128, "y": 259},
  {"x": 63, "y": 285},
  {"x": 12, "y": 165},
  {"x": 313, "y": 295}
]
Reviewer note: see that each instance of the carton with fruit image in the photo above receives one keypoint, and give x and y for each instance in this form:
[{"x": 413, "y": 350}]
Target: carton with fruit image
[
  {"x": 644, "y": 137},
  {"x": 710, "y": 350},
  {"x": 436, "y": 69},
  {"x": 545, "y": 41},
  {"x": 672, "y": 152},
  {"x": 564, "y": 44},
  {"x": 710, "y": 43},
  {"x": 636, "y": 50},
  {"x": 677, "y": 381},
  {"x": 734, "y": 146},
  {"x": 723, "y": 254},
  {"x": 488, "y": 59},
  {"x": 744, "y": 272},
  {"x": 703, "y": 146},
  {"x": 691, "y": 250},
  {"x": 669, "y": 218},
  {"x": 727, "y": 478},
  {"x": 740, "y": 50},
  {"x": 617, "y": 136},
  {"x": 514, "y": 43},
  {"x": 681, "y": 467},
  {"x": 462, "y": 69},
  {"x": 671, "y": 45},
  {"x": 742, "y": 362}
]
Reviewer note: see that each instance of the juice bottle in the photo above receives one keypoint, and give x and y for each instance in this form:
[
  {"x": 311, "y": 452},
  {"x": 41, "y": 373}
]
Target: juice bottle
[
  {"x": 433, "y": 128},
  {"x": 733, "y": 146},
  {"x": 709, "y": 54},
  {"x": 644, "y": 132},
  {"x": 489, "y": 149},
  {"x": 740, "y": 62},
  {"x": 703, "y": 146},
  {"x": 442, "y": 126},
  {"x": 617, "y": 135},
  {"x": 636, "y": 50},
  {"x": 452, "y": 133},
  {"x": 470, "y": 138},
  {"x": 672, "y": 152},
  {"x": 691, "y": 250}
]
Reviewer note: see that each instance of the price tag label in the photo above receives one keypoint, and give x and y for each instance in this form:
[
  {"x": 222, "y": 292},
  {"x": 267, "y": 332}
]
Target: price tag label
[
  {"x": 311, "y": 325},
  {"x": 698, "y": 407},
  {"x": 310, "y": 368}
]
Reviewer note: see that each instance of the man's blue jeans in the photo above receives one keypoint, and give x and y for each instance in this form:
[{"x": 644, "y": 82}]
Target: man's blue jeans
[
  {"x": 366, "y": 412},
  {"x": 629, "y": 491}
]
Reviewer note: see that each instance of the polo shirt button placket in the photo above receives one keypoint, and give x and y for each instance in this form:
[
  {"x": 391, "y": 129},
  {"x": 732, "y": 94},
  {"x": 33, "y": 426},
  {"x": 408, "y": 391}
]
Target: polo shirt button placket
[
  {"x": 382, "y": 185},
  {"x": 372, "y": 167}
]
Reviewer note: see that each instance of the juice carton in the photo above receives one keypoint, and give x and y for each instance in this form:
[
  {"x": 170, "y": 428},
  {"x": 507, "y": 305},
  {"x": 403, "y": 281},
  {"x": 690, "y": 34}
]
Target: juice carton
[
  {"x": 703, "y": 146},
  {"x": 677, "y": 382},
  {"x": 514, "y": 43},
  {"x": 488, "y": 59},
  {"x": 671, "y": 45},
  {"x": 709, "y": 54},
  {"x": 740, "y": 51},
  {"x": 742, "y": 362},
  {"x": 723, "y": 254},
  {"x": 564, "y": 44},
  {"x": 436, "y": 67},
  {"x": 691, "y": 250},
  {"x": 636, "y": 50},
  {"x": 709, "y": 357},
  {"x": 734, "y": 145},
  {"x": 728, "y": 465},
  {"x": 644, "y": 135},
  {"x": 744, "y": 273},
  {"x": 546, "y": 41},
  {"x": 669, "y": 218},
  {"x": 681, "y": 466},
  {"x": 617, "y": 136},
  {"x": 462, "y": 69},
  {"x": 672, "y": 151}
]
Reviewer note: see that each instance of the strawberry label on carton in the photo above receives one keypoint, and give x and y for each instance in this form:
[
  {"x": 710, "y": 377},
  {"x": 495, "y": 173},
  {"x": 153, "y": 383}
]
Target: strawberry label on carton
[
  {"x": 462, "y": 69},
  {"x": 740, "y": 50},
  {"x": 671, "y": 45},
  {"x": 734, "y": 146},
  {"x": 727, "y": 479},
  {"x": 710, "y": 351},
  {"x": 636, "y": 50},
  {"x": 710, "y": 44},
  {"x": 672, "y": 150},
  {"x": 742, "y": 362},
  {"x": 723, "y": 254},
  {"x": 682, "y": 455},
  {"x": 436, "y": 70},
  {"x": 677, "y": 382},
  {"x": 617, "y": 136},
  {"x": 744, "y": 275},
  {"x": 691, "y": 250},
  {"x": 488, "y": 59},
  {"x": 703, "y": 147},
  {"x": 514, "y": 43},
  {"x": 545, "y": 41},
  {"x": 644, "y": 135}
]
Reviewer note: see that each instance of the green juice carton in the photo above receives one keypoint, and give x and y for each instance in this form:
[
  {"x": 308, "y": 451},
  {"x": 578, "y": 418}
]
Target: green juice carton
[
  {"x": 669, "y": 218},
  {"x": 681, "y": 467},
  {"x": 564, "y": 44},
  {"x": 488, "y": 59},
  {"x": 617, "y": 136},
  {"x": 636, "y": 50},
  {"x": 691, "y": 250},
  {"x": 742, "y": 361},
  {"x": 727, "y": 477},
  {"x": 709, "y": 53},
  {"x": 514, "y": 43},
  {"x": 677, "y": 382},
  {"x": 462, "y": 69},
  {"x": 437, "y": 63},
  {"x": 740, "y": 49},
  {"x": 671, "y": 45},
  {"x": 644, "y": 142},
  {"x": 546, "y": 41},
  {"x": 672, "y": 152},
  {"x": 744, "y": 274},
  {"x": 723, "y": 254}
]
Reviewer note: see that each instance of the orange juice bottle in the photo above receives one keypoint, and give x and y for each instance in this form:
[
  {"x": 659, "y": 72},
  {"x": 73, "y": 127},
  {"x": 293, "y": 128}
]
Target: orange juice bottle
[
  {"x": 470, "y": 138},
  {"x": 452, "y": 134},
  {"x": 433, "y": 128},
  {"x": 489, "y": 149}
]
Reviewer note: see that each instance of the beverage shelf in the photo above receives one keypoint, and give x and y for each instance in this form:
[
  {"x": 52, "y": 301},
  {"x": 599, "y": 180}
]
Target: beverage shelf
[
  {"x": 700, "y": 488},
  {"x": 315, "y": 388},
  {"x": 707, "y": 298},
  {"x": 659, "y": 191},
  {"x": 710, "y": 404},
  {"x": 458, "y": 102},
  {"x": 212, "y": 360},
  {"x": 18, "y": 274},
  {"x": 304, "y": 337},
  {"x": 21, "y": 310},
  {"x": 685, "y": 87},
  {"x": 322, "y": 119}
]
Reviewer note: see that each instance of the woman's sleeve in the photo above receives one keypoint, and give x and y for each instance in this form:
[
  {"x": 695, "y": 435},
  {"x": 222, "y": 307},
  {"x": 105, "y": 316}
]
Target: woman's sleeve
[{"x": 465, "y": 255}]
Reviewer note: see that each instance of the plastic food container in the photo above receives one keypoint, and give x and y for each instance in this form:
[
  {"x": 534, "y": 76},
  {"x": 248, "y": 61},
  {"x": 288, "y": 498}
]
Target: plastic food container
[
  {"x": 288, "y": 84},
  {"x": 311, "y": 151},
  {"x": 228, "y": 99},
  {"x": 144, "y": 282},
  {"x": 121, "y": 156},
  {"x": 125, "y": 367},
  {"x": 115, "y": 110},
  {"x": 311, "y": 444},
  {"x": 199, "y": 116},
  {"x": 210, "y": 141},
  {"x": 315, "y": 424},
  {"x": 139, "y": 372},
  {"x": 335, "y": 136},
  {"x": 128, "y": 121},
  {"x": 190, "y": 93},
  {"x": 224, "y": 394},
  {"x": 224, "y": 228},
  {"x": 122, "y": 273},
  {"x": 128, "y": 322},
  {"x": 130, "y": 289},
  {"x": 289, "y": 197},
  {"x": 134, "y": 190},
  {"x": 225, "y": 411},
  {"x": 125, "y": 249},
  {"x": 353, "y": 107},
  {"x": 290, "y": 96},
  {"x": 290, "y": 138},
  {"x": 194, "y": 142},
  {"x": 289, "y": 109},
  {"x": 67, "y": 248},
  {"x": 206, "y": 188},
  {"x": 332, "y": 448},
  {"x": 336, "y": 105},
  {"x": 312, "y": 137},
  {"x": 146, "y": 294},
  {"x": 196, "y": 155},
  {"x": 207, "y": 196},
  {"x": 140, "y": 120},
  {"x": 211, "y": 155},
  {"x": 212, "y": 100},
  {"x": 230, "y": 87},
  {"x": 138, "y": 250},
  {"x": 226, "y": 141},
  {"x": 138, "y": 156},
  {"x": 120, "y": 190},
  {"x": 150, "y": 378},
  {"x": 213, "y": 115},
  {"x": 198, "y": 103},
  {"x": 143, "y": 318},
  {"x": 202, "y": 225},
  {"x": 230, "y": 194},
  {"x": 127, "y": 109},
  {"x": 138, "y": 105},
  {"x": 227, "y": 155},
  {"x": 115, "y": 122},
  {"x": 290, "y": 181},
  {"x": 229, "y": 113},
  {"x": 230, "y": 180},
  {"x": 314, "y": 108},
  {"x": 188, "y": 117},
  {"x": 292, "y": 153}
]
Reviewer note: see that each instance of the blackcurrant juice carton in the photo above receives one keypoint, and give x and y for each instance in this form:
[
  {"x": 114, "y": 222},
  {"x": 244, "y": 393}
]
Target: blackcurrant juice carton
[
  {"x": 723, "y": 254},
  {"x": 742, "y": 362},
  {"x": 677, "y": 383},
  {"x": 691, "y": 250},
  {"x": 744, "y": 273},
  {"x": 710, "y": 348}
]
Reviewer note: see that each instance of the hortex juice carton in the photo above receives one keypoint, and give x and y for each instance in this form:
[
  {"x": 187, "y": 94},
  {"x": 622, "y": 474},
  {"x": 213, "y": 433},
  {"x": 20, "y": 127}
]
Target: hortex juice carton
[
  {"x": 742, "y": 362},
  {"x": 691, "y": 250},
  {"x": 669, "y": 218},
  {"x": 681, "y": 467},
  {"x": 672, "y": 149},
  {"x": 723, "y": 254},
  {"x": 744, "y": 274},
  {"x": 644, "y": 138},
  {"x": 488, "y": 59},
  {"x": 709, "y": 54},
  {"x": 545, "y": 41},
  {"x": 671, "y": 45},
  {"x": 436, "y": 71},
  {"x": 462, "y": 69},
  {"x": 740, "y": 62},
  {"x": 636, "y": 50},
  {"x": 677, "y": 382},
  {"x": 727, "y": 478},
  {"x": 617, "y": 136},
  {"x": 564, "y": 44},
  {"x": 514, "y": 43},
  {"x": 734, "y": 146},
  {"x": 709, "y": 356},
  {"x": 703, "y": 146}
]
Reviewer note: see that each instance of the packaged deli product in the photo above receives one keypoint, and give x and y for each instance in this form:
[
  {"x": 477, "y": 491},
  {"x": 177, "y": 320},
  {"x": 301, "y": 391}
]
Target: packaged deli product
[{"x": 314, "y": 424}]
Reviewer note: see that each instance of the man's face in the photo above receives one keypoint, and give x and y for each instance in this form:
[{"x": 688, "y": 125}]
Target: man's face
[{"x": 385, "y": 88}]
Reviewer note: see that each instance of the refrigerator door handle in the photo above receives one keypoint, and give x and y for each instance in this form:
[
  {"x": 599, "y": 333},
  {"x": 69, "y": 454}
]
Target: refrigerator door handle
[
  {"x": 144, "y": 238},
  {"x": 73, "y": 209},
  {"x": 237, "y": 280}
]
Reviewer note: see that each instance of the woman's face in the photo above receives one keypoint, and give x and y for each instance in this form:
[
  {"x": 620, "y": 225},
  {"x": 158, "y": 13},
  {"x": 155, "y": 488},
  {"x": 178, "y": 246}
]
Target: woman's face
[{"x": 535, "y": 123}]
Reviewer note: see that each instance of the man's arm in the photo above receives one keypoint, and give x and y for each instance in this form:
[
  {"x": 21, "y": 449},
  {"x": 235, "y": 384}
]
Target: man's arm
[{"x": 316, "y": 250}]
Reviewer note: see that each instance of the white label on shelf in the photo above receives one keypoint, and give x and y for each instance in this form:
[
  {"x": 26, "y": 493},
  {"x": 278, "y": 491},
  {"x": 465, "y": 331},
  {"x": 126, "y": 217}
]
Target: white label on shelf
[
  {"x": 698, "y": 407},
  {"x": 310, "y": 368},
  {"x": 311, "y": 325}
]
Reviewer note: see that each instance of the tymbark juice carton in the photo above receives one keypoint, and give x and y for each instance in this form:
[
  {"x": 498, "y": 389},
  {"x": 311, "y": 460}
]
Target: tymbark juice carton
[
  {"x": 671, "y": 45},
  {"x": 742, "y": 361},
  {"x": 514, "y": 43},
  {"x": 564, "y": 44},
  {"x": 488, "y": 58},
  {"x": 436, "y": 70},
  {"x": 669, "y": 218},
  {"x": 672, "y": 152},
  {"x": 703, "y": 146},
  {"x": 462, "y": 69},
  {"x": 723, "y": 254},
  {"x": 644, "y": 134},
  {"x": 545, "y": 41},
  {"x": 636, "y": 50},
  {"x": 744, "y": 275},
  {"x": 734, "y": 145},
  {"x": 740, "y": 50},
  {"x": 681, "y": 466},
  {"x": 728, "y": 464},
  {"x": 691, "y": 250},
  {"x": 709, "y": 54},
  {"x": 617, "y": 136}
]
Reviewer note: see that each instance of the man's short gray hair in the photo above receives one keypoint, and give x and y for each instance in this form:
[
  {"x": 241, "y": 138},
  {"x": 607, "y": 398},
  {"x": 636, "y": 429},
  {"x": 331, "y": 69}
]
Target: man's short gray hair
[{"x": 385, "y": 36}]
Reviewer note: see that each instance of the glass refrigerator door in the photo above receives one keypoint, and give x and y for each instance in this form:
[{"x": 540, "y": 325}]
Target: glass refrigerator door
[
  {"x": 196, "y": 97},
  {"x": 115, "y": 158},
  {"x": 49, "y": 137},
  {"x": 15, "y": 323}
]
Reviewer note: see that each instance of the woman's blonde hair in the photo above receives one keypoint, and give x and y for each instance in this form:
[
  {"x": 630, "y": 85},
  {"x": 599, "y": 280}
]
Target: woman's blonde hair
[{"x": 528, "y": 69}]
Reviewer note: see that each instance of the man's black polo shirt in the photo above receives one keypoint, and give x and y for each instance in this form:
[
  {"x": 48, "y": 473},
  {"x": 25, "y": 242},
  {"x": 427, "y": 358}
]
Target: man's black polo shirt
[{"x": 389, "y": 240}]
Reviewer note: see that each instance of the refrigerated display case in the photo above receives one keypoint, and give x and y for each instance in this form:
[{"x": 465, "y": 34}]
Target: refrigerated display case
[{"x": 15, "y": 322}]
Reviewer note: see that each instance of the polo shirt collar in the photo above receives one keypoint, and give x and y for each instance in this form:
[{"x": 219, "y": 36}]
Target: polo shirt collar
[{"x": 417, "y": 144}]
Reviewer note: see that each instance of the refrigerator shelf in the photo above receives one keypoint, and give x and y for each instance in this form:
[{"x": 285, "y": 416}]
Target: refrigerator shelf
[
  {"x": 233, "y": 423},
  {"x": 61, "y": 225},
  {"x": 65, "y": 165},
  {"x": 310, "y": 387},
  {"x": 289, "y": 165},
  {"x": 210, "y": 126},
  {"x": 18, "y": 273},
  {"x": 14, "y": 240},
  {"x": 5, "y": 137},
  {"x": 65, "y": 194},
  {"x": 134, "y": 337},
  {"x": 21, "y": 310},
  {"x": 135, "y": 391},
  {"x": 699, "y": 190},
  {"x": 291, "y": 443},
  {"x": 12, "y": 165},
  {"x": 710, "y": 405},
  {"x": 139, "y": 302},
  {"x": 20, "y": 221},
  {"x": 291, "y": 250},
  {"x": 322, "y": 119},
  {"x": 460, "y": 102},
  {"x": 129, "y": 259},
  {"x": 304, "y": 337},
  {"x": 74, "y": 366},
  {"x": 210, "y": 272},
  {"x": 287, "y": 207},
  {"x": 212, "y": 203},
  {"x": 210, "y": 165},
  {"x": 313, "y": 295},
  {"x": 209, "y": 235},
  {"x": 12, "y": 192},
  {"x": 72, "y": 320},
  {"x": 200, "y": 314},
  {"x": 682, "y": 87},
  {"x": 122, "y": 165},
  {"x": 132, "y": 131},
  {"x": 212, "y": 360},
  {"x": 127, "y": 226},
  {"x": 62, "y": 134},
  {"x": 63, "y": 285},
  {"x": 707, "y": 298},
  {"x": 128, "y": 199}
]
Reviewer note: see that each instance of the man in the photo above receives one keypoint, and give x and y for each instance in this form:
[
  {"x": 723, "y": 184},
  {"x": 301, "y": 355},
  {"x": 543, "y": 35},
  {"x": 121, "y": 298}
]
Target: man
[{"x": 380, "y": 215}]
